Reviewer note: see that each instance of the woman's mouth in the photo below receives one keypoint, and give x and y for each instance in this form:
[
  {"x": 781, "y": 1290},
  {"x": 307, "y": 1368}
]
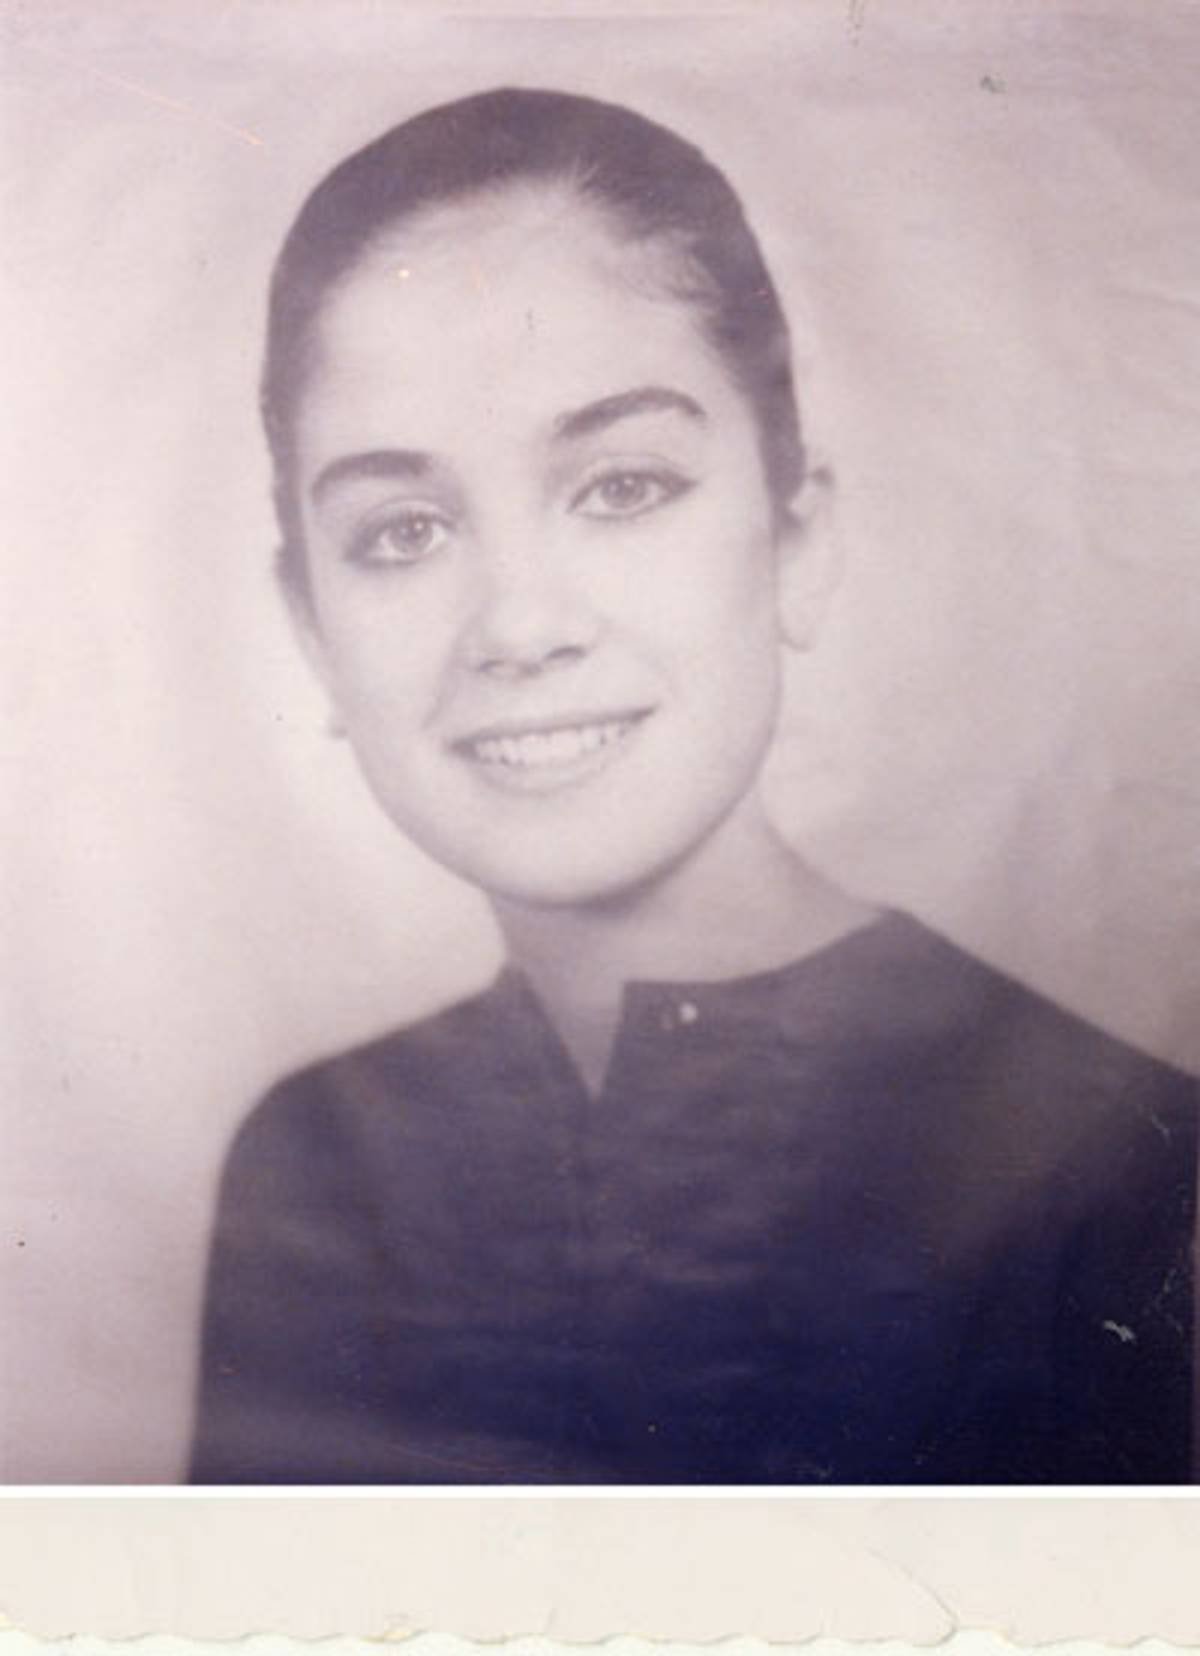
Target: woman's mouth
[{"x": 550, "y": 754}]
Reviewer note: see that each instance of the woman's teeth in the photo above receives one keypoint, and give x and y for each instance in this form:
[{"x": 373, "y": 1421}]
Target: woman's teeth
[{"x": 548, "y": 747}]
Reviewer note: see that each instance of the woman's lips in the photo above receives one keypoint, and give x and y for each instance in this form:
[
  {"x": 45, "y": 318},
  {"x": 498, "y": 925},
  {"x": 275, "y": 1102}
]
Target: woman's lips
[{"x": 549, "y": 752}]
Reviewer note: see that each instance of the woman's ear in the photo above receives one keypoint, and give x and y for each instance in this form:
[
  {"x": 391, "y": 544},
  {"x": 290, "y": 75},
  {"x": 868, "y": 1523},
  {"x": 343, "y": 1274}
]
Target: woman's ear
[{"x": 810, "y": 561}]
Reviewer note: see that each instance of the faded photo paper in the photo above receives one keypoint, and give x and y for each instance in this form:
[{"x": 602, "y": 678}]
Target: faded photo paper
[
  {"x": 15, "y": 1644},
  {"x": 604, "y": 769},
  {"x": 1033, "y": 1570}
]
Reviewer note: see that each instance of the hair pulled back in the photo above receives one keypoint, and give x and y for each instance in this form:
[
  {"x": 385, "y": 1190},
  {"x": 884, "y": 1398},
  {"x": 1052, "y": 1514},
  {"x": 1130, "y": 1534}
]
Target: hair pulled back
[{"x": 651, "y": 185}]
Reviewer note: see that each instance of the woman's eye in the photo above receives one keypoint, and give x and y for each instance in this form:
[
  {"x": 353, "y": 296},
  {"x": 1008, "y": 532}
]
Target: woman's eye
[
  {"x": 401, "y": 538},
  {"x": 626, "y": 494}
]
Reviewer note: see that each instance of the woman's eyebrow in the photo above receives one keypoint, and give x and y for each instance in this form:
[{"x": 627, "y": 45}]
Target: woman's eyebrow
[
  {"x": 392, "y": 465},
  {"x": 643, "y": 399}
]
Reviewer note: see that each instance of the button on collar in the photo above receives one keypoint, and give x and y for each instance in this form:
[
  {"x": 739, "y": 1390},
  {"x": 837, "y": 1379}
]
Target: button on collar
[{"x": 678, "y": 1014}]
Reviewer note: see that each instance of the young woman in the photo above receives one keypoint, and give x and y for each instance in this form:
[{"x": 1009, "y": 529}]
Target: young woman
[{"x": 729, "y": 1177}]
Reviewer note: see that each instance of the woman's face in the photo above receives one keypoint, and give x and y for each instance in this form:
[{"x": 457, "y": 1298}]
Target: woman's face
[{"x": 542, "y": 565}]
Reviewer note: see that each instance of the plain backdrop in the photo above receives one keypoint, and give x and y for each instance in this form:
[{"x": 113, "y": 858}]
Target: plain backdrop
[{"x": 984, "y": 218}]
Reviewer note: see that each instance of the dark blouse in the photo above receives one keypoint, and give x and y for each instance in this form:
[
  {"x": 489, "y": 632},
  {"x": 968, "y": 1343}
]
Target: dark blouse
[{"x": 880, "y": 1216}]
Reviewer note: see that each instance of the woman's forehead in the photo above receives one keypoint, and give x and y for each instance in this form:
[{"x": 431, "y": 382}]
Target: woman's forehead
[
  {"x": 497, "y": 296},
  {"x": 525, "y": 227}
]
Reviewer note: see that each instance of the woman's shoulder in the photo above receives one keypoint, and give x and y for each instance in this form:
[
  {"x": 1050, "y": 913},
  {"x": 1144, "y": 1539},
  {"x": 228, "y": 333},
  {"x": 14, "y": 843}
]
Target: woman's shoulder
[
  {"x": 909, "y": 973},
  {"x": 391, "y": 1082},
  {"x": 929, "y": 1041},
  {"x": 1011, "y": 1047}
]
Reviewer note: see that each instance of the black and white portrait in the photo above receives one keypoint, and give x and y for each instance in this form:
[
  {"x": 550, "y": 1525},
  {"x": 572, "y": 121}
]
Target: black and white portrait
[{"x": 604, "y": 833}]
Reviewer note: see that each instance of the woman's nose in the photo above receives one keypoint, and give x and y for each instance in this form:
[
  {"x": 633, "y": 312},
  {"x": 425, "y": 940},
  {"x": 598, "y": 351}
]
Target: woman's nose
[{"x": 528, "y": 619}]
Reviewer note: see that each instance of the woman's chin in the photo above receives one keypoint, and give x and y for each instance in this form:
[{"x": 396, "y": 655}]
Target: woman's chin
[{"x": 565, "y": 890}]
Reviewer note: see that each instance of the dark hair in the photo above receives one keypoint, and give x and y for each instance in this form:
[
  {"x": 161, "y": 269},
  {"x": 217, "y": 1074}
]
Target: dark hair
[{"x": 652, "y": 184}]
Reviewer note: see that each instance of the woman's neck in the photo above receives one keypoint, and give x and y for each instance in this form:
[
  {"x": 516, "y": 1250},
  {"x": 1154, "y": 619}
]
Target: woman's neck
[{"x": 753, "y": 906}]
